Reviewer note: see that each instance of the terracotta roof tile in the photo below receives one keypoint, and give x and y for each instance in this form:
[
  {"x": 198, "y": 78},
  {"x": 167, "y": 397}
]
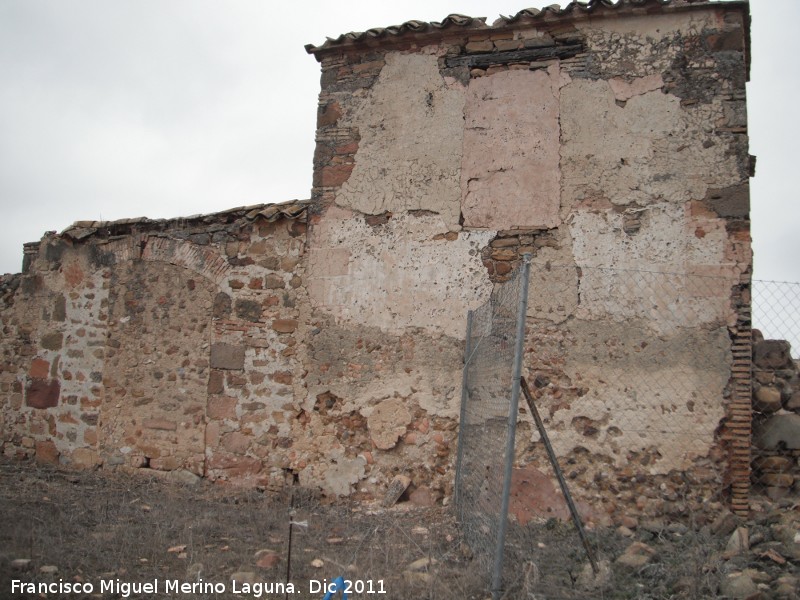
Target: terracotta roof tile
[
  {"x": 547, "y": 14},
  {"x": 555, "y": 10},
  {"x": 294, "y": 209},
  {"x": 409, "y": 27}
]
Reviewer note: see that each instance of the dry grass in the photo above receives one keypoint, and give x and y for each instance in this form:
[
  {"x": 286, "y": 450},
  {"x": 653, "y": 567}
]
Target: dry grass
[
  {"x": 95, "y": 526},
  {"x": 100, "y": 526}
]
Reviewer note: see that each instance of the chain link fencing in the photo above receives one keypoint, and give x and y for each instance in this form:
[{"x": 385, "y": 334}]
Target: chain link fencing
[
  {"x": 776, "y": 389},
  {"x": 490, "y": 396},
  {"x": 634, "y": 374},
  {"x": 776, "y": 312}
]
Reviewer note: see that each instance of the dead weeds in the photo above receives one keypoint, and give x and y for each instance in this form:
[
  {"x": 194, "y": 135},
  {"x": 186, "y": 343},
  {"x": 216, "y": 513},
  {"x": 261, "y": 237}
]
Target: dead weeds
[
  {"x": 104, "y": 526},
  {"x": 107, "y": 526}
]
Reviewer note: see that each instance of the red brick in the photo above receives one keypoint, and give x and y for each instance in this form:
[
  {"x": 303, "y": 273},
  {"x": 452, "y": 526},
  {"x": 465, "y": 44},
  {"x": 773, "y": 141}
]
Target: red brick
[
  {"x": 349, "y": 148},
  {"x": 335, "y": 175},
  {"x": 374, "y": 66}
]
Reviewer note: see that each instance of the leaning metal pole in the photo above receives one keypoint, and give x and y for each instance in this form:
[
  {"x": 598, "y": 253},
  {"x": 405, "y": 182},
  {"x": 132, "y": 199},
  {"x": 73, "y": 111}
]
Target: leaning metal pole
[
  {"x": 573, "y": 510},
  {"x": 462, "y": 419},
  {"x": 497, "y": 574}
]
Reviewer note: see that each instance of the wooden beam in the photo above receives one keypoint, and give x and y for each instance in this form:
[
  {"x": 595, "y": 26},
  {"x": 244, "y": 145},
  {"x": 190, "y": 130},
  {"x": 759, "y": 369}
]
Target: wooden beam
[{"x": 502, "y": 58}]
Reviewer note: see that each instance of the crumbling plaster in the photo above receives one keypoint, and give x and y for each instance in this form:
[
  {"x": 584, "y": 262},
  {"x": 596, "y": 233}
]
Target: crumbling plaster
[
  {"x": 623, "y": 390},
  {"x": 650, "y": 149},
  {"x": 692, "y": 262},
  {"x": 603, "y": 158},
  {"x": 406, "y": 273},
  {"x": 411, "y": 128},
  {"x": 509, "y": 175},
  {"x": 332, "y": 355},
  {"x": 621, "y": 41}
]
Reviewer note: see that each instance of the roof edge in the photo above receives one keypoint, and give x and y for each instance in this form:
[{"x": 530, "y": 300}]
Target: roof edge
[
  {"x": 547, "y": 15},
  {"x": 81, "y": 230}
]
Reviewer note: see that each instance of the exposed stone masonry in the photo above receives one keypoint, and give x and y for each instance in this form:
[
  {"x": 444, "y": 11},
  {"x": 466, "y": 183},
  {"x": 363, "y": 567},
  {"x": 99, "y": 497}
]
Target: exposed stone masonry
[
  {"x": 574, "y": 179},
  {"x": 504, "y": 253},
  {"x": 321, "y": 342},
  {"x": 161, "y": 344}
]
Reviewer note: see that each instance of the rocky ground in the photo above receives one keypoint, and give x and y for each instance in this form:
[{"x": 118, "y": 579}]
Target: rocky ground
[
  {"x": 61, "y": 527},
  {"x": 654, "y": 559}
]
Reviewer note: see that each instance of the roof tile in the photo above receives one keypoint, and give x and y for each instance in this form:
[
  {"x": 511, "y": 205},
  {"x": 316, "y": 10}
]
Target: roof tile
[
  {"x": 293, "y": 209},
  {"x": 551, "y": 13}
]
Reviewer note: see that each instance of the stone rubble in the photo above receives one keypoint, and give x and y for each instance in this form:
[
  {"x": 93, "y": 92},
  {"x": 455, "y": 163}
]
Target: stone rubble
[{"x": 776, "y": 419}]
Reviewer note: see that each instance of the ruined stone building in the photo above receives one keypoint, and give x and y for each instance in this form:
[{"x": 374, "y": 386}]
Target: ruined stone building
[{"x": 322, "y": 340}]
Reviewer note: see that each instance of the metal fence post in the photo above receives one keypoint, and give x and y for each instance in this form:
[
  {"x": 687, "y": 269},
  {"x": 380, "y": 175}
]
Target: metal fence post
[
  {"x": 497, "y": 575},
  {"x": 462, "y": 417}
]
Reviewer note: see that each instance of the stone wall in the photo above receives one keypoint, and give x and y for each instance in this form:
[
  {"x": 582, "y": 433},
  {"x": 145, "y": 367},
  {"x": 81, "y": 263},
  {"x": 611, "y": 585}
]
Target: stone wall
[
  {"x": 321, "y": 342},
  {"x": 169, "y": 345},
  {"x": 604, "y": 142}
]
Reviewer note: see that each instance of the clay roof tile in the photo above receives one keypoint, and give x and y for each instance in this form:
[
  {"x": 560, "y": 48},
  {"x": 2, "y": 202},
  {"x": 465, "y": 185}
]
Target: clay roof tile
[{"x": 551, "y": 13}]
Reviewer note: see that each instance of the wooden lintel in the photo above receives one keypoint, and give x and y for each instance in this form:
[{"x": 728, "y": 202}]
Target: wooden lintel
[{"x": 502, "y": 58}]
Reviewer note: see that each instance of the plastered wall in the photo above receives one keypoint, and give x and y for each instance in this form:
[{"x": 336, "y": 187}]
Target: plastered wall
[
  {"x": 322, "y": 342},
  {"x": 620, "y": 166}
]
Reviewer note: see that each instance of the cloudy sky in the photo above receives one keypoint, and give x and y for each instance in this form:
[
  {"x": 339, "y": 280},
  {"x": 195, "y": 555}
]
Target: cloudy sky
[{"x": 112, "y": 109}]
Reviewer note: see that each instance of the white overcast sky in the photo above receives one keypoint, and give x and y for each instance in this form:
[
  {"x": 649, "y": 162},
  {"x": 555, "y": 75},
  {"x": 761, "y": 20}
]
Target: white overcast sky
[{"x": 112, "y": 109}]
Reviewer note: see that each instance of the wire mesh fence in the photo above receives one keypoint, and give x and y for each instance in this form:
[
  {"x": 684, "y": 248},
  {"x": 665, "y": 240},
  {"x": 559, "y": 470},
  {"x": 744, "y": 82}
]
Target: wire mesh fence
[
  {"x": 633, "y": 374},
  {"x": 776, "y": 312},
  {"x": 490, "y": 396},
  {"x": 630, "y": 393},
  {"x": 639, "y": 371},
  {"x": 776, "y": 388}
]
